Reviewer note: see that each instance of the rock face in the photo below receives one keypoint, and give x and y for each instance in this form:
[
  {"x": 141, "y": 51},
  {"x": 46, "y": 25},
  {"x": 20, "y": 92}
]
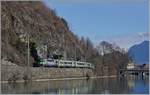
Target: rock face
[{"x": 32, "y": 19}]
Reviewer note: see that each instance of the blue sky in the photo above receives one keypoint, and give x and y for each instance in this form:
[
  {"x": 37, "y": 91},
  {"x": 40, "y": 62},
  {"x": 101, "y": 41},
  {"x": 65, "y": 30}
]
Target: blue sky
[{"x": 103, "y": 19}]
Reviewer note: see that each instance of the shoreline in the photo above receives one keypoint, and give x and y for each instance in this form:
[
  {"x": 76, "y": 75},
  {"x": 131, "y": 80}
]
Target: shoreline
[{"x": 58, "y": 79}]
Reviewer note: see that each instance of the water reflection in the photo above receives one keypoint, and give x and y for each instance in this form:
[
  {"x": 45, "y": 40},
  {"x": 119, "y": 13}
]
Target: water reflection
[{"x": 131, "y": 84}]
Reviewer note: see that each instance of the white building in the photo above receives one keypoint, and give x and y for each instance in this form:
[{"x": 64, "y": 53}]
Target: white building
[{"x": 130, "y": 66}]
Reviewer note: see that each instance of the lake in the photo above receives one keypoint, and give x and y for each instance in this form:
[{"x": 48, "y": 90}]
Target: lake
[{"x": 128, "y": 85}]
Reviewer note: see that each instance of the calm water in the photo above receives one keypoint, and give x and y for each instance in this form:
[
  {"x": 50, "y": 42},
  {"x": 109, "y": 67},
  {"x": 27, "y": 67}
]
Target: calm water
[{"x": 132, "y": 85}]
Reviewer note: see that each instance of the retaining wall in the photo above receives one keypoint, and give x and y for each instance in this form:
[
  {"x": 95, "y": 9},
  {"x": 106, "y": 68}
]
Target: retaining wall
[{"x": 14, "y": 72}]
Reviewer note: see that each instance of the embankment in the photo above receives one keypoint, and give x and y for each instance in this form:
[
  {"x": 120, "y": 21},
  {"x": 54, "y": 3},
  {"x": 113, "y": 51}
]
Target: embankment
[{"x": 16, "y": 73}]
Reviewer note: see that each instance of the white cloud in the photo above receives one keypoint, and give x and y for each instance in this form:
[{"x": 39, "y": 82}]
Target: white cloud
[
  {"x": 143, "y": 34},
  {"x": 127, "y": 42}
]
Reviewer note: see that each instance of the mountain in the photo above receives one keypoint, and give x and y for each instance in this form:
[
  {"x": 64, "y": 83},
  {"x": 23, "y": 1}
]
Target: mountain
[
  {"x": 140, "y": 53},
  {"x": 45, "y": 28}
]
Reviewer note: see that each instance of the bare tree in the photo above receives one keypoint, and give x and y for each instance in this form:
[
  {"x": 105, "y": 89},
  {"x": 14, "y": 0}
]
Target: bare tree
[{"x": 104, "y": 48}]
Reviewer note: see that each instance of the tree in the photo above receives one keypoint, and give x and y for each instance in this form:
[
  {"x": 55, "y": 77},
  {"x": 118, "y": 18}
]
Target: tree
[
  {"x": 82, "y": 40},
  {"x": 104, "y": 48},
  {"x": 113, "y": 57},
  {"x": 65, "y": 22},
  {"x": 33, "y": 52},
  {"x": 89, "y": 44}
]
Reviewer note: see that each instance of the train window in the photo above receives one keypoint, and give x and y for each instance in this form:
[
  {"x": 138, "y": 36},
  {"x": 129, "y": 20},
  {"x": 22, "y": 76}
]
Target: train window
[
  {"x": 69, "y": 62},
  {"x": 80, "y": 63},
  {"x": 50, "y": 60}
]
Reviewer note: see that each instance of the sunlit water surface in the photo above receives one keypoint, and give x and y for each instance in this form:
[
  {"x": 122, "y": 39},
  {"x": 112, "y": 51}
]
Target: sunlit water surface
[{"x": 131, "y": 85}]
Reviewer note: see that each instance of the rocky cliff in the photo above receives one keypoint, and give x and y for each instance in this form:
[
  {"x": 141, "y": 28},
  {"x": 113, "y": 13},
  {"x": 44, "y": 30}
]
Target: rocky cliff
[{"x": 50, "y": 32}]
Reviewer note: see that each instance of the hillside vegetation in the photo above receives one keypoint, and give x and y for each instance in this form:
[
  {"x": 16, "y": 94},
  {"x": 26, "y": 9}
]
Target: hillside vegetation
[{"x": 45, "y": 28}]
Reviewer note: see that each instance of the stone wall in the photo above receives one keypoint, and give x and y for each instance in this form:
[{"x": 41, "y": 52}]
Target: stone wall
[{"x": 14, "y": 72}]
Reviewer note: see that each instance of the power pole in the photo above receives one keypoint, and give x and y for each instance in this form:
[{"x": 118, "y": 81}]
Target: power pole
[
  {"x": 75, "y": 53},
  {"x": 103, "y": 59},
  {"x": 64, "y": 46},
  {"x": 28, "y": 60},
  {"x": 28, "y": 52}
]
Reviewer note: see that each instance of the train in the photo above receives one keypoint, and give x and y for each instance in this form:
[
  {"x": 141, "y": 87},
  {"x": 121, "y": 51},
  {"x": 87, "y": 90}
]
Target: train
[{"x": 65, "y": 64}]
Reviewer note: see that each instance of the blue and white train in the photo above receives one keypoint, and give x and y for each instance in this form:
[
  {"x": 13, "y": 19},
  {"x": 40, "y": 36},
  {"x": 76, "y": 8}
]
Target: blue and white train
[{"x": 66, "y": 63}]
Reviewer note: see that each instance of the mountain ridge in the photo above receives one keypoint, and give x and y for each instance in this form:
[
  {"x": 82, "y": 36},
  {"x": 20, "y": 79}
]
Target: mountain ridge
[{"x": 140, "y": 52}]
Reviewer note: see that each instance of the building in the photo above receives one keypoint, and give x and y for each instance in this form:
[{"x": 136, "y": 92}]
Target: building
[
  {"x": 130, "y": 66},
  {"x": 145, "y": 66}
]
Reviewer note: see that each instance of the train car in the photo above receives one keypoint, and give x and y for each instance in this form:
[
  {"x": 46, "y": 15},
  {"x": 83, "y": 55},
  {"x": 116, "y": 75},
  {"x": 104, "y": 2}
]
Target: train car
[
  {"x": 92, "y": 66},
  {"x": 88, "y": 65},
  {"x": 80, "y": 64},
  {"x": 74, "y": 64},
  {"x": 65, "y": 63},
  {"x": 49, "y": 63}
]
